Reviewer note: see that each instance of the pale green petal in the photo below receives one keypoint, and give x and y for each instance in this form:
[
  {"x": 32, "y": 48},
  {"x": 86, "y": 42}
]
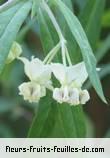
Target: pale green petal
[
  {"x": 77, "y": 73},
  {"x": 59, "y": 71},
  {"x": 27, "y": 66},
  {"x": 36, "y": 70},
  {"x": 44, "y": 75}
]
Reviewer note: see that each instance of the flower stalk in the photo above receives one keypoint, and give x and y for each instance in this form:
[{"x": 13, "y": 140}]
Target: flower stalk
[
  {"x": 51, "y": 16},
  {"x": 63, "y": 42},
  {"x": 51, "y": 54}
]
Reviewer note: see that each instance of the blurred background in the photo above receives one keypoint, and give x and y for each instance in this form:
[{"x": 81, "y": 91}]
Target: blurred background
[{"x": 16, "y": 114}]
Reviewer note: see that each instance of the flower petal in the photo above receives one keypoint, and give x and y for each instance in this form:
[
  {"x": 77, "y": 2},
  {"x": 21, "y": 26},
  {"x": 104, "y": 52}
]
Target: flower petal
[
  {"x": 74, "y": 97},
  {"x": 59, "y": 71},
  {"x": 77, "y": 73},
  {"x": 84, "y": 96},
  {"x": 36, "y": 70},
  {"x": 57, "y": 95}
]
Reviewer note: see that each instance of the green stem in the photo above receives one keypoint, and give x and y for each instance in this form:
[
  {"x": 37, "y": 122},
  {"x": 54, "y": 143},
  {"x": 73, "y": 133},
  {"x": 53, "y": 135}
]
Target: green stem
[
  {"x": 51, "y": 16},
  {"x": 63, "y": 53},
  {"x": 51, "y": 53},
  {"x": 68, "y": 57}
]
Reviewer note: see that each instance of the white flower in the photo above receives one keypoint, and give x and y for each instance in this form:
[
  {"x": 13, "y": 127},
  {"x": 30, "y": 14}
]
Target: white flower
[
  {"x": 36, "y": 70},
  {"x": 39, "y": 75},
  {"x": 71, "y": 79},
  {"x": 32, "y": 91},
  {"x": 14, "y": 53},
  {"x": 76, "y": 74}
]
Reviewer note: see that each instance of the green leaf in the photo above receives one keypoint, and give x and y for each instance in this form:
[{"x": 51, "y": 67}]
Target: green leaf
[
  {"x": 71, "y": 43},
  {"x": 71, "y": 120},
  {"x": 57, "y": 120},
  {"x": 69, "y": 3},
  {"x": 6, "y": 16},
  {"x": 44, "y": 110},
  {"x": 80, "y": 36},
  {"x": 90, "y": 18},
  {"x": 79, "y": 121},
  {"x": 7, "y": 5},
  {"x": 11, "y": 29},
  {"x": 45, "y": 34}
]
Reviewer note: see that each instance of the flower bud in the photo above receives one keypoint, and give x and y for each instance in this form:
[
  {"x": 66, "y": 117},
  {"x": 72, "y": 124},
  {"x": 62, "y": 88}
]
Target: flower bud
[{"x": 14, "y": 53}]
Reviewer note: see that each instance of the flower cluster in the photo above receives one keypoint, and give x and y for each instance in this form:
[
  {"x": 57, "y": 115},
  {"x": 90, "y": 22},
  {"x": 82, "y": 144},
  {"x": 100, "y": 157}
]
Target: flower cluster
[{"x": 71, "y": 78}]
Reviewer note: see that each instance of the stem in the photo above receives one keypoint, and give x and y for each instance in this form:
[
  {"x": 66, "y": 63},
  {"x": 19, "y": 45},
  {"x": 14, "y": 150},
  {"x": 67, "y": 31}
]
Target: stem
[
  {"x": 8, "y": 5},
  {"x": 68, "y": 57},
  {"x": 51, "y": 58},
  {"x": 52, "y": 53},
  {"x": 50, "y": 14},
  {"x": 63, "y": 52}
]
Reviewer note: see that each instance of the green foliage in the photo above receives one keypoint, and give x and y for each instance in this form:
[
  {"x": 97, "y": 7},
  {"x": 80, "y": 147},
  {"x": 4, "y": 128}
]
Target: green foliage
[
  {"x": 11, "y": 27},
  {"x": 55, "y": 120},
  {"x": 51, "y": 119},
  {"x": 90, "y": 18}
]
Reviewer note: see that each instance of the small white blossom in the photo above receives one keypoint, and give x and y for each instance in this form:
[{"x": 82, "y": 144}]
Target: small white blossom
[
  {"x": 39, "y": 75},
  {"x": 71, "y": 79},
  {"x": 32, "y": 91},
  {"x": 14, "y": 53}
]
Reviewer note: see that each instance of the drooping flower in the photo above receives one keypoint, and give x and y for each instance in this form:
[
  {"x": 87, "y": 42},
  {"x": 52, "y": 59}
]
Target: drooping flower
[
  {"x": 32, "y": 91},
  {"x": 71, "y": 79},
  {"x": 39, "y": 75},
  {"x": 14, "y": 53}
]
